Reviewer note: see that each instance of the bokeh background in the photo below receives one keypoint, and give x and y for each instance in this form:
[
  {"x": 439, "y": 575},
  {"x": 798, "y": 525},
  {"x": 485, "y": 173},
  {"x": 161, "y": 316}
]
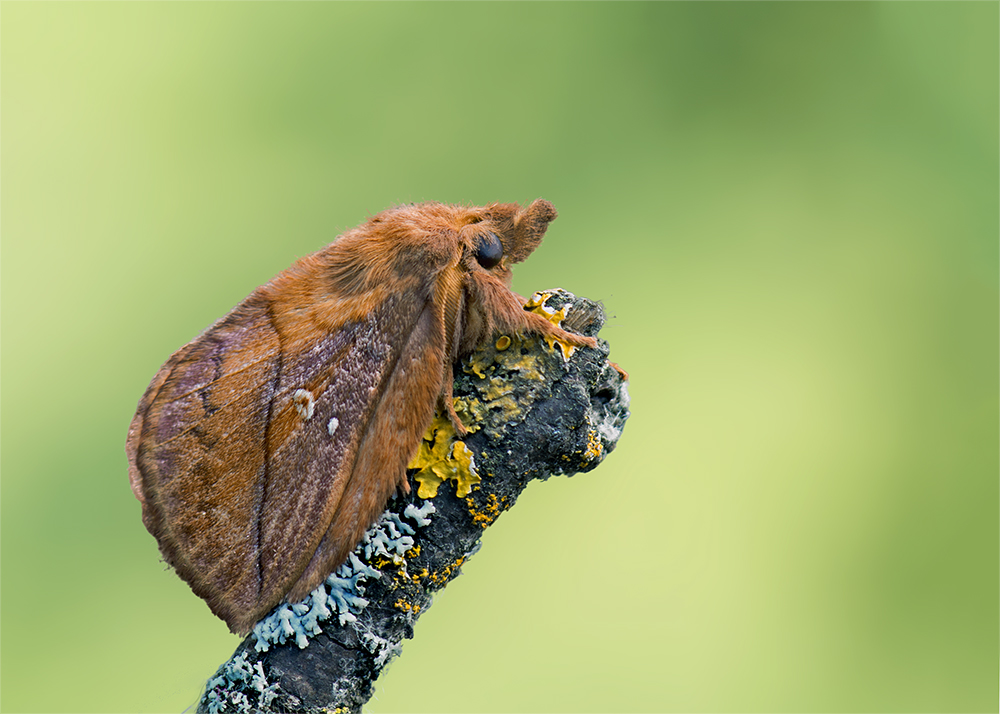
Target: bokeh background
[{"x": 789, "y": 210}]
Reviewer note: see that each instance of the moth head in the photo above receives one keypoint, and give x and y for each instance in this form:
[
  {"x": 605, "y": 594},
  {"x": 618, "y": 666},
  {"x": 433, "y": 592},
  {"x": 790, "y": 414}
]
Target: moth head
[
  {"x": 519, "y": 230},
  {"x": 460, "y": 255},
  {"x": 417, "y": 242},
  {"x": 501, "y": 234}
]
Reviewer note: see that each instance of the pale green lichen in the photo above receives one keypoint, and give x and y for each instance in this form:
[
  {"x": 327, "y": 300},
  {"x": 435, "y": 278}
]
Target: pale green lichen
[
  {"x": 225, "y": 692},
  {"x": 342, "y": 593}
]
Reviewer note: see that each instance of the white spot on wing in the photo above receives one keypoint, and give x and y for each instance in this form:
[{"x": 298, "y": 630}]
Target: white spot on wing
[
  {"x": 332, "y": 425},
  {"x": 304, "y": 403}
]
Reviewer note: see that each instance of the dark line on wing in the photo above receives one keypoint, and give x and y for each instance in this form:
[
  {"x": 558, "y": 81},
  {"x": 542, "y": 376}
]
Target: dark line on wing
[
  {"x": 215, "y": 410},
  {"x": 206, "y": 391},
  {"x": 214, "y": 380}
]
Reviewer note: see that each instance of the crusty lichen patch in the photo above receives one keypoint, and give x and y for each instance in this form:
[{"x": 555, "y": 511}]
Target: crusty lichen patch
[
  {"x": 503, "y": 366},
  {"x": 595, "y": 449},
  {"x": 489, "y": 512},
  {"x": 442, "y": 576},
  {"x": 510, "y": 372},
  {"x": 470, "y": 412},
  {"x": 405, "y": 606},
  {"x": 495, "y": 367},
  {"x": 442, "y": 457},
  {"x": 516, "y": 353}
]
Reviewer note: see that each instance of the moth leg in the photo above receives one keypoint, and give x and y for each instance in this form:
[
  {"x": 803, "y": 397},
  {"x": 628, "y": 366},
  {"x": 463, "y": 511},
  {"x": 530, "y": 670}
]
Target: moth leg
[
  {"x": 537, "y": 323},
  {"x": 448, "y": 404}
]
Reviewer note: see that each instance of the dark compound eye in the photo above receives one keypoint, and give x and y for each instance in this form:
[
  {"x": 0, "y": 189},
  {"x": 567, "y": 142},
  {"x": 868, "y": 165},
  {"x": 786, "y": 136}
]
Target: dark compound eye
[{"x": 490, "y": 251}]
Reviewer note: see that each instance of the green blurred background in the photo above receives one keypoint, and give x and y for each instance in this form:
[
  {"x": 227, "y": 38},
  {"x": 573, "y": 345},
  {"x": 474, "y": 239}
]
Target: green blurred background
[{"x": 790, "y": 211}]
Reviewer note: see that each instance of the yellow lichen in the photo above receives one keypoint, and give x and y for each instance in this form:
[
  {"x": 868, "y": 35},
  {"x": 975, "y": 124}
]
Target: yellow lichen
[
  {"x": 594, "y": 446},
  {"x": 478, "y": 362},
  {"x": 524, "y": 359},
  {"x": 442, "y": 576},
  {"x": 497, "y": 389},
  {"x": 497, "y": 394},
  {"x": 441, "y": 458},
  {"x": 487, "y": 514},
  {"x": 508, "y": 408},
  {"x": 465, "y": 477},
  {"x": 537, "y": 300},
  {"x": 470, "y": 412},
  {"x": 404, "y": 578},
  {"x": 537, "y": 305},
  {"x": 405, "y": 606}
]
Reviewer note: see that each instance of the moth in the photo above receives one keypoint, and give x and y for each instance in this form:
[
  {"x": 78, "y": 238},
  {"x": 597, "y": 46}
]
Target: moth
[{"x": 263, "y": 449}]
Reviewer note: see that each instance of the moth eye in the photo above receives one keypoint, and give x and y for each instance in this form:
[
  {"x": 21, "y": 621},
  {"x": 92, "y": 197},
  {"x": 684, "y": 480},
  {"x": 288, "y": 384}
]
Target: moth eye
[{"x": 490, "y": 251}]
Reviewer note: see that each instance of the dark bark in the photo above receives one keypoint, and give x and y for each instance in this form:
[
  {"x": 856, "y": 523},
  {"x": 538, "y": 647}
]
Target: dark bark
[{"x": 534, "y": 414}]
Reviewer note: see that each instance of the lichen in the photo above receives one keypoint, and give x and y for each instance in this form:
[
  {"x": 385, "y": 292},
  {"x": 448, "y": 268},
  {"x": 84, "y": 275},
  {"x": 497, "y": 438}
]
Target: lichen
[
  {"x": 478, "y": 362},
  {"x": 514, "y": 358},
  {"x": 449, "y": 571},
  {"x": 489, "y": 512},
  {"x": 470, "y": 412},
  {"x": 405, "y": 606},
  {"x": 227, "y": 690},
  {"x": 342, "y": 593},
  {"x": 500, "y": 358},
  {"x": 420, "y": 516},
  {"x": 383, "y": 649},
  {"x": 537, "y": 305},
  {"x": 595, "y": 449},
  {"x": 442, "y": 457}
]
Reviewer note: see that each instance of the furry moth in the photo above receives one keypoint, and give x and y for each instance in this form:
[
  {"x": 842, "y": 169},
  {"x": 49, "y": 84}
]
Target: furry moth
[{"x": 263, "y": 449}]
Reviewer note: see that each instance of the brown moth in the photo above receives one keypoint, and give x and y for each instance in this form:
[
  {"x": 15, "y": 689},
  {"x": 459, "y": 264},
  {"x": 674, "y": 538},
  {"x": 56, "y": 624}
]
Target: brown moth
[{"x": 263, "y": 449}]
